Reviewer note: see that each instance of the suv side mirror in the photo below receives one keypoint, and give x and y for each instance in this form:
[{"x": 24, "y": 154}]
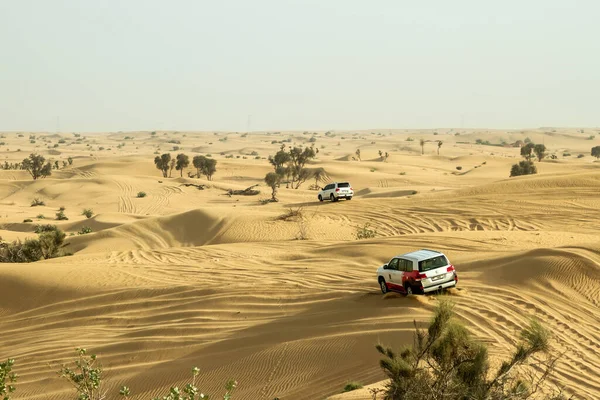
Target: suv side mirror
[{"x": 385, "y": 266}]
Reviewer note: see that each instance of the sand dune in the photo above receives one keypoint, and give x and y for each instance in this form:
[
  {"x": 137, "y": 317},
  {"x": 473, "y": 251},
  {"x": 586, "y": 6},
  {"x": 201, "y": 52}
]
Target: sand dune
[{"x": 186, "y": 277}]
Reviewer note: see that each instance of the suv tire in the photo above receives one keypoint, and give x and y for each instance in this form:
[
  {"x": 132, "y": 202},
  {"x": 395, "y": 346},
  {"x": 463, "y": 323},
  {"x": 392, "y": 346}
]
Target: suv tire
[
  {"x": 383, "y": 286},
  {"x": 320, "y": 198},
  {"x": 332, "y": 197},
  {"x": 408, "y": 290}
]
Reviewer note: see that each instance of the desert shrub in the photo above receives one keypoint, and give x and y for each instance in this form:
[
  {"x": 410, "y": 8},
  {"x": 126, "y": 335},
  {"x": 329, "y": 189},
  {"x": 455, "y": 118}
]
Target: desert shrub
[
  {"x": 46, "y": 246},
  {"x": 40, "y": 216},
  {"x": 141, "y": 194},
  {"x": 86, "y": 376},
  {"x": 27, "y": 220},
  {"x": 37, "y": 202},
  {"x": 45, "y": 228},
  {"x": 402, "y": 173},
  {"x": 350, "y": 386},
  {"x": 566, "y": 154},
  {"x": 459, "y": 168},
  {"x": 596, "y": 152},
  {"x": 60, "y": 215},
  {"x": 85, "y": 230},
  {"x": 291, "y": 213},
  {"x": 580, "y": 156},
  {"x": 254, "y": 153},
  {"x": 364, "y": 232},
  {"x": 372, "y": 170},
  {"x": 591, "y": 137},
  {"x": 88, "y": 213},
  {"x": 445, "y": 362},
  {"x": 7, "y": 379},
  {"x": 523, "y": 168}
]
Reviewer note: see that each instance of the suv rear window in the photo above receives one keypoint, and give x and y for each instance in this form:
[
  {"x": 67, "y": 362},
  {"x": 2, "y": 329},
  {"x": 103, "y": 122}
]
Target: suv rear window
[
  {"x": 345, "y": 184},
  {"x": 432, "y": 263}
]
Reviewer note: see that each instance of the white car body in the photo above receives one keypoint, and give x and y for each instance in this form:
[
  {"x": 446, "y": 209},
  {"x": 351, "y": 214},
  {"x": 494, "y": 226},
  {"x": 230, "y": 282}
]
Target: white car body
[
  {"x": 335, "y": 191},
  {"x": 421, "y": 271}
]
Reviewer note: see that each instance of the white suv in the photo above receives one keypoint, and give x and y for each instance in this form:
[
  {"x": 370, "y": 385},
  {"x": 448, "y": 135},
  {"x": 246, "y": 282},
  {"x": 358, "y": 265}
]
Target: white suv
[
  {"x": 335, "y": 191},
  {"x": 421, "y": 271}
]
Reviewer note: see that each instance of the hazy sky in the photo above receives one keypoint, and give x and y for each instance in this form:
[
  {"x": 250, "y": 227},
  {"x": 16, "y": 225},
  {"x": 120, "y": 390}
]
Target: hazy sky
[{"x": 109, "y": 65}]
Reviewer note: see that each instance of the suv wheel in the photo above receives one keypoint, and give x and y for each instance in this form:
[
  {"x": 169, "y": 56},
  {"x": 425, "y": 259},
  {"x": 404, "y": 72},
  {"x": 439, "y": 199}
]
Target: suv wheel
[
  {"x": 320, "y": 198},
  {"x": 383, "y": 286},
  {"x": 332, "y": 197},
  {"x": 408, "y": 290}
]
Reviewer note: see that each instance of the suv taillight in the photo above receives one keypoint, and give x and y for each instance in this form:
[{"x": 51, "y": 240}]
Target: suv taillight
[
  {"x": 337, "y": 189},
  {"x": 422, "y": 276},
  {"x": 450, "y": 268},
  {"x": 351, "y": 189}
]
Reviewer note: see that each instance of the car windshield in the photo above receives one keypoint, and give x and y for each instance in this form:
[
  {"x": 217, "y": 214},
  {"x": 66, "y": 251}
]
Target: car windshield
[
  {"x": 344, "y": 185},
  {"x": 432, "y": 263}
]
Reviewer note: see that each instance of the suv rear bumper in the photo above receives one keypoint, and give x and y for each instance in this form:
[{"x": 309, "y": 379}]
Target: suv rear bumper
[{"x": 445, "y": 285}]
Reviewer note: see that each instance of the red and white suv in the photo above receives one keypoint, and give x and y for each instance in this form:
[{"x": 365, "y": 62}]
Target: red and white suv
[{"x": 421, "y": 271}]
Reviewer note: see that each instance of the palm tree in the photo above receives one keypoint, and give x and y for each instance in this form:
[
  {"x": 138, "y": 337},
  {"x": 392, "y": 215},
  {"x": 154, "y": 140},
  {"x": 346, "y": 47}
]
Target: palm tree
[
  {"x": 440, "y": 143},
  {"x": 422, "y": 142},
  {"x": 358, "y": 154}
]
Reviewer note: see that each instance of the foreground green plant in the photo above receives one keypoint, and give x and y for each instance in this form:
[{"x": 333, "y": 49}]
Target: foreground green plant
[
  {"x": 444, "y": 362},
  {"x": 7, "y": 378}
]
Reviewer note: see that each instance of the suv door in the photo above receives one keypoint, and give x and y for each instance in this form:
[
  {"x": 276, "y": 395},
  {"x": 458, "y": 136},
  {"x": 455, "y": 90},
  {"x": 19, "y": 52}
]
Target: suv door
[
  {"x": 327, "y": 190},
  {"x": 394, "y": 275}
]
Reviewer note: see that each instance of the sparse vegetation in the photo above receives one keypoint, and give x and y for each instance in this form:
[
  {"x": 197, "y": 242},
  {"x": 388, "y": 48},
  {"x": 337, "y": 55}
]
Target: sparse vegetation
[
  {"x": 523, "y": 168},
  {"x": 141, "y": 195},
  {"x": 182, "y": 163},
  {"x": 34, "y": 164},
  {"x": 527, "y": 150},
  {"x": 8, "y": 378},
  {"x": 163, "y": 163},
  {"x": 87, "y": 212},
  {"x": 60, "y": 215},
  {"x": 596, "y": 152},
  {"x": 205, "y": 166},
  {"x": 350, "y": 386},
  {"x": 27, "y": 220},
  {"x": 37, "y": 202},
  {"x": 540, "y": 151},
  {"x": 292, "y": 214},
  {"x": 84, "y": 230},
  {"x": 365, "y": 232},
  {"x": 273, "y": 180},
  {"x": 445, "y": 362},
  {"x": 47, "y": 245}
]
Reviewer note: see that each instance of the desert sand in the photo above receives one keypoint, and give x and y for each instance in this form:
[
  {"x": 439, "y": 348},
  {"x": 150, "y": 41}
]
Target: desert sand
[{"x": 186, "y": 277}]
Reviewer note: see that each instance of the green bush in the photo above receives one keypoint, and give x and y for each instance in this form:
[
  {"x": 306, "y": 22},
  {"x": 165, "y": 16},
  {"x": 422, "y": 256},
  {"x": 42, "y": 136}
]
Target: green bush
[
  {"x": 350, "y": 386},
  {"x": 45, "y": 228},
  {"x": 365, "y": 232},
  {"x": 37, "y": 202},
  {"x": 7, "y": 379},
  {"x": 445, "y": 362},
  {"x": 88, "y": 213},
  {"x": 40, "y": 216},
  {"x": 61, "y": 215},
  {"x": 47, "y": 245},
  {"x": 85, "y": 230},
  {"x": 523, "y": 168},
  {"x": 141, "y": 194}
]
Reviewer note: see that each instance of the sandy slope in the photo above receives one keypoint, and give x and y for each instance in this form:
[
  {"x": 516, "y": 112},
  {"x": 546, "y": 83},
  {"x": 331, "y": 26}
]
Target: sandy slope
[{"x": 188, "y": 277}]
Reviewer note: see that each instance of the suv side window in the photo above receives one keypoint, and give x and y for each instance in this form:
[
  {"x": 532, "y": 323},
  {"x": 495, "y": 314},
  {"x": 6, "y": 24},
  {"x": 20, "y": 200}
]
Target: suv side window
[
  {"x": 329, "y": 187},
  {"x": 393, "y": 264},
  {"x": 405, "y": 265}
]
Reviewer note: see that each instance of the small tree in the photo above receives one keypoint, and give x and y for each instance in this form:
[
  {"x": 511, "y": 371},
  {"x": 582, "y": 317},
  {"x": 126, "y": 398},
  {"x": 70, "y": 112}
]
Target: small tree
[
  {"x": 88, "y": 213},
  {"x": 540, "y": 151},
  {"x": 523, "y": 168},
  {"x": 34, "y": 164},
  {"x": 358, "y": 154},
  {"x": 171, "y": 167},
  {"x": 182, "y": 162},
  {"x": 422, "y": 143},
  {"x": 445, "y": 362},
  {"x": 440, "y": 143},
  {"x": 162, "y": 163},
  {"x": 205, "y": 166},
  {"x": 527, "y": 151},
  {"x": 272, "y": 180},
  {"x": 70, "y": 160},
  {"x": 596, "y": 152}
]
